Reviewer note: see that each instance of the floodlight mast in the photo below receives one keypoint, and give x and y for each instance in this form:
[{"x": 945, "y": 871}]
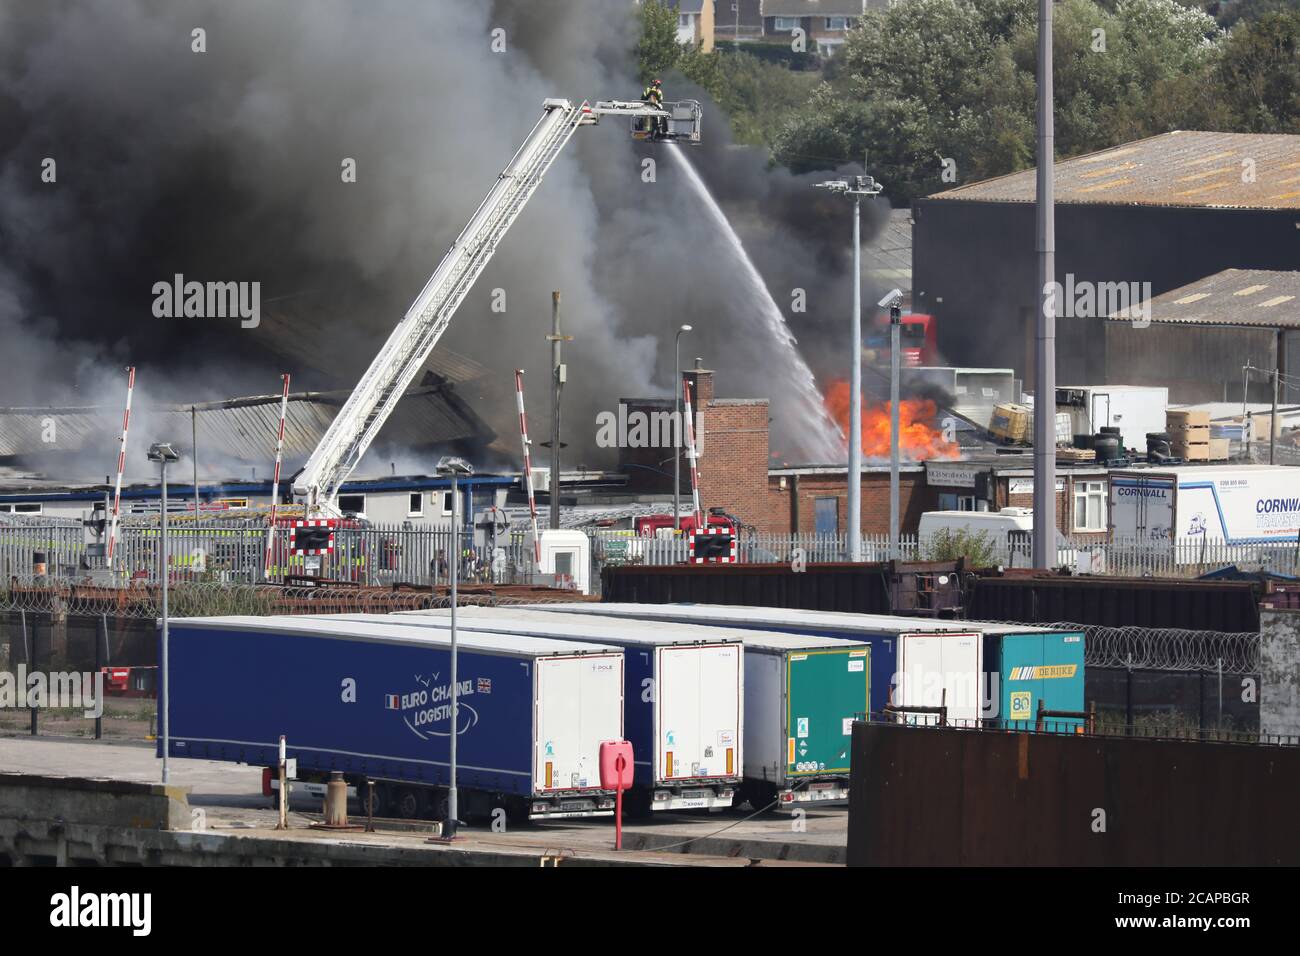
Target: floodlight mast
[{"x": 409, "y": 345}]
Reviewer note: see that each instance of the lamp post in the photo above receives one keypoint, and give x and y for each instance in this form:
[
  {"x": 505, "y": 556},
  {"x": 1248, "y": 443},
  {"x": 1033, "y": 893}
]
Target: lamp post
[
  {"x": 1044, "y": 546},
  {"x": 677, "y": 427},
  {"x": 454, "y": 468},
  {"x": 163, "y": 453},
  {"x": 861, "y": 186}
]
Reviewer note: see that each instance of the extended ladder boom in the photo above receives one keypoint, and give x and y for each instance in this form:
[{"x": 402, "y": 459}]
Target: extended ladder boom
[{"x": 411, "y": 342}]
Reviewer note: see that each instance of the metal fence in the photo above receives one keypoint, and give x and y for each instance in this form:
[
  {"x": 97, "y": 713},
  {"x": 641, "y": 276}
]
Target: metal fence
[
  {"x": 235, "y": 552},
  {"x": 626, "y": 547}
]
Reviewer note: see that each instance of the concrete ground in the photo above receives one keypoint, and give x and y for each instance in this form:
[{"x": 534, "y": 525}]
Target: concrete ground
[{"x": 230, "y": 797}]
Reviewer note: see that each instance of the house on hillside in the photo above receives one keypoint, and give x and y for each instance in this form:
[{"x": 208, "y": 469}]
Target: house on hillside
[
  {"x": 824, "y": 23},
  {"x": 695, "y": 23}
]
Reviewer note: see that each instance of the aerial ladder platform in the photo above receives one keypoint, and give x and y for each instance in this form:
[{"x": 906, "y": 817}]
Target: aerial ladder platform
[{"x": 411, "y": 342}]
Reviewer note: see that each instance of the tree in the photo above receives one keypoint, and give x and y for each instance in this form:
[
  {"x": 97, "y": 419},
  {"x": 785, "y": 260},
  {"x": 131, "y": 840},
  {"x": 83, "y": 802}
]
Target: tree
[
  {"x": 932, "y": 83},
  {"x": 657, "y": 50},
  {"x": 979, "y": 548},
  {"x": 1260, "y": 74}
]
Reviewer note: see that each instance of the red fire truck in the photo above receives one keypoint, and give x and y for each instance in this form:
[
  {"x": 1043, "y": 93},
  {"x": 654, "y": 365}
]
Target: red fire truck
[{"x": 917, "y": 336}]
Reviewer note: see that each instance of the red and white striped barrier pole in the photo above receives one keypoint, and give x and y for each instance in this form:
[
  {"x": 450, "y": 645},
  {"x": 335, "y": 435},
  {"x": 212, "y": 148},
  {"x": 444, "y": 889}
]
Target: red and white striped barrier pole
[
  {"x": 690, "y": 453},
  {"x": 275, "y": 479},
  {"x": 528, "y": 465},
  {"x": 121, "y": 465}
]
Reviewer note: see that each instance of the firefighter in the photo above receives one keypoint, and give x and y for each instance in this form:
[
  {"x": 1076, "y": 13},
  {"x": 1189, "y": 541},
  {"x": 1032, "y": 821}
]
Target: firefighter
[{"x": 654, "y": 97}]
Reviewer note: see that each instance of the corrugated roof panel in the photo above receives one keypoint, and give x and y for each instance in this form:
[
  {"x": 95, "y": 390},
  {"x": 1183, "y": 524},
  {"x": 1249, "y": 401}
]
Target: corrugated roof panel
[
  {"x": 1159, "y": 168},
  {"x": 1222, "y": 299}
]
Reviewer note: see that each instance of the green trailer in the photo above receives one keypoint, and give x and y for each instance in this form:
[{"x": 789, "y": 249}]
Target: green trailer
[{"x": 801, "y": 695}]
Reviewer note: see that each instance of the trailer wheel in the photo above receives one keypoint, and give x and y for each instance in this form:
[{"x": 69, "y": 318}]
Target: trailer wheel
[
  {"x": 759, "y": 796},
  {"x": 407, "y": 803}
]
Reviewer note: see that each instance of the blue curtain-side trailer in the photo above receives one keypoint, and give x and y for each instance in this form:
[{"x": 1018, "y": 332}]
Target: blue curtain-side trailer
[{"x": 374, "y": 702}]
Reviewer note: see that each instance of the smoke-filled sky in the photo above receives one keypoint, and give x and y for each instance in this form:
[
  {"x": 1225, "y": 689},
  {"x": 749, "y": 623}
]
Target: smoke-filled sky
[{"x": 225, "y": 166}]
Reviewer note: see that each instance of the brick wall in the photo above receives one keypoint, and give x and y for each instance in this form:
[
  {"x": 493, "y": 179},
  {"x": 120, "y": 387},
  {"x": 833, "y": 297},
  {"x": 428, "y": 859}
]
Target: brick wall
[
  {"x": 914, "y": 497},
  {"x": 734, "y": 459}
]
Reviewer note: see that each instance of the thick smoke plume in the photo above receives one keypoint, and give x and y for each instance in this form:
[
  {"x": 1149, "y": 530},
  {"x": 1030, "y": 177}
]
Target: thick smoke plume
[{"x": 225, "y": 165}]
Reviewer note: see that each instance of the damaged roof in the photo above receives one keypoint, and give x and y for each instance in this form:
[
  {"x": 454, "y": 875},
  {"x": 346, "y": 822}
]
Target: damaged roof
[{"x": 241, "y": 429}]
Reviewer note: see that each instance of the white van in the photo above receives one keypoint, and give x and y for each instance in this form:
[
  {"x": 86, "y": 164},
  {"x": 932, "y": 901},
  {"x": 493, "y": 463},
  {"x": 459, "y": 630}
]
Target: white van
[{"x": 1011, "y": 531}]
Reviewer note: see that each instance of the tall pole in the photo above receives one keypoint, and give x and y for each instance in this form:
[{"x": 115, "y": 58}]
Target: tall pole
[
  {"x": 166, "y": 685},
  {"x": 1272, "y": 418},
  {"x": 678, "y": 428},
  {"x": 677, "y": 433},
  {"x": 895, "y": 327},
  {"x": 690, "y": 453},
  {"x": 557, "y": 384},
  {"x": 855, "y": 393},
  {"x": 528, "y": 469},
  {"x": 121, "y": 465},
  {"x": 194, "y": 455},
  {"x": 275, "y": 474},
  {"x": 1045, "y": 339},
  {"x": 449, "y": 829}
]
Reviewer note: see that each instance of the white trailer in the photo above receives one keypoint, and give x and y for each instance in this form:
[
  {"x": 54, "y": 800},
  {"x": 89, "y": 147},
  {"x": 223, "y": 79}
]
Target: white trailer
[
  {"x": 1136, "y": 410},
  {"x": 684, "y": 695},
  {"x": 1230, "y": 504}
]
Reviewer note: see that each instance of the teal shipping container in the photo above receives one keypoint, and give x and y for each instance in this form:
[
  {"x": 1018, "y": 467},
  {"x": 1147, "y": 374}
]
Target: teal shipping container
[{"x": 1034, "y": 668}]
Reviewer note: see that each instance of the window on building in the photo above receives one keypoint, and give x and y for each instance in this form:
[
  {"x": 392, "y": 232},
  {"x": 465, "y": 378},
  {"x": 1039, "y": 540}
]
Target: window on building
[
  {"x": 352, "y": 504},
  {"x": 447, "y": 502},
  {"x": 785, "y": 24},
  {"x": 22, "y": 508},
  {"x": 826, "y": 513},
  {"x": 1090, "y": 506},
  {"x": 837, "y": 23},
  {"x": 683, "y": 21},
  {"x": 415, "y": 505},
  {"x": 955, "y": 502}
]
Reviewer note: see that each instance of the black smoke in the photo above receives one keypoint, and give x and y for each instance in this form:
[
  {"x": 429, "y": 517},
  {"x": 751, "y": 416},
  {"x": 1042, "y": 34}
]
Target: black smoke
[{"x": 225, "y": 165}]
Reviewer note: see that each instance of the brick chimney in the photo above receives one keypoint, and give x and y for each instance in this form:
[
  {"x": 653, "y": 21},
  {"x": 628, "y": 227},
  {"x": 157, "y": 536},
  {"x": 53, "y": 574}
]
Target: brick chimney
[{"x": 701, "y": 380}]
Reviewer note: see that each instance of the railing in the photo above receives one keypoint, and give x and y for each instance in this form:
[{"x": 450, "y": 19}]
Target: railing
[
  {"x": 234, "y": 551},
  {"x": 626, "y": 547}
]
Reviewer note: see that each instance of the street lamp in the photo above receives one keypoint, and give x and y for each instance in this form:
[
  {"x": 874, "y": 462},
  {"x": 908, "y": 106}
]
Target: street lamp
[
  {"x": 861, "y": 186},
  {"x": 1044, "y": 547},
  {"x": 164, "y": 453},
  {"x": 454, "y": 468},
  {"x": 679, "y": 429}
]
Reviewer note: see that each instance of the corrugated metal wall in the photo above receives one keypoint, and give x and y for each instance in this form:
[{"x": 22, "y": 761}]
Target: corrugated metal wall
[
  {"x": 981, "y": 798},
  {"x": 1148, "y": 602},
  {"x": 864, "y": 588}
]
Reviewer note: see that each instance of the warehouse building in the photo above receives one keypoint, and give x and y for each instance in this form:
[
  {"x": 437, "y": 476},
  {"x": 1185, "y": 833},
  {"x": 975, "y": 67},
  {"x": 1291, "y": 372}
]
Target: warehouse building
[
  {"x": 1145, "y": 218},
  {"x": 1215, "y": 340}
]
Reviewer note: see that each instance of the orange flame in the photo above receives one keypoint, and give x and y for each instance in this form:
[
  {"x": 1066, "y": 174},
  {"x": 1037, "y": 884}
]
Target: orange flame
[{"x": 917, "y": 438}]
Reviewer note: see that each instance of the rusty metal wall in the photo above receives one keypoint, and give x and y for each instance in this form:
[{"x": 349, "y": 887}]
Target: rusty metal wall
[
  {"x": 1148, "y": 602},
  {"x": 947, "y": 797},
  {"x": 829, "y": 587},
  {"x": 868, "y": 588}
]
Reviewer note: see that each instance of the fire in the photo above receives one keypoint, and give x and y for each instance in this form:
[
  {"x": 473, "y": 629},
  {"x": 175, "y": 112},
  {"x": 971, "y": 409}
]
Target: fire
[{"x": 918, "y": 439}]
